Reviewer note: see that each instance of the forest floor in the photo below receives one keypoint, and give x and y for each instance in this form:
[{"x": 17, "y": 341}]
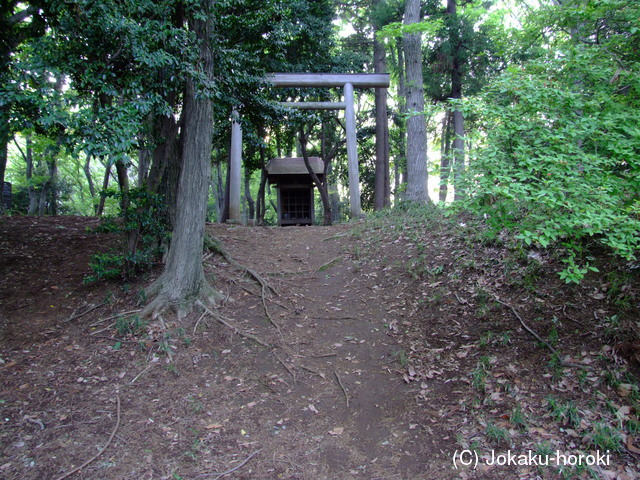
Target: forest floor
[{"x": 393, "y": 348}]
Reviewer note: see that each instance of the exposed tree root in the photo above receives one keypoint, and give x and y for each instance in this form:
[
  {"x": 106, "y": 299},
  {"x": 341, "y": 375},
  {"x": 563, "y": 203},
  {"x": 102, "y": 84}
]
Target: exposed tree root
[
  {"x": 327, "y": 265},
  {"x": 164, "y": 298},
  {"x": 344, "y": 390},
  {"x": 92, "y": 459},
  {"x": 212, "y": 243},
  {"x": 225, "y": 322},
  {"x": 538, "y": 338}
]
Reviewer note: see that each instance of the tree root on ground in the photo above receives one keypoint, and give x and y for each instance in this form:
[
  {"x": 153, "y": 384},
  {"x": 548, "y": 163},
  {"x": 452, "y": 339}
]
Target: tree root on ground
[
  {"x": 226, "y": 323},
  {"x": 164, "y": 298},
  {"x": 531, "y": 332},
  {"x": 92, "y": 459},
  {"x": 215, "y": 245}
]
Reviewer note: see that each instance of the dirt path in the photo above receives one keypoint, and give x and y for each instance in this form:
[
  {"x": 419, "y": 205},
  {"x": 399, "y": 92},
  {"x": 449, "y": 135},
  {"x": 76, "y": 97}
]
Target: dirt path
[
  {"x": 325, "y": 401},
  {"x": 349, "y": 412},
  {"x": 390, "y": 353}
]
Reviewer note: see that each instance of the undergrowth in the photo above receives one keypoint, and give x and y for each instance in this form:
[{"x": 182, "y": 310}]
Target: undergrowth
[{"x": 142, "y": 225}]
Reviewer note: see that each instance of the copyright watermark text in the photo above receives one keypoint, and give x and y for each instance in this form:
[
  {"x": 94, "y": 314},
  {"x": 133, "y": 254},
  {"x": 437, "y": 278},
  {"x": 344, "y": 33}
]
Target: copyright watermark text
[{"x": 471, "y": 458}]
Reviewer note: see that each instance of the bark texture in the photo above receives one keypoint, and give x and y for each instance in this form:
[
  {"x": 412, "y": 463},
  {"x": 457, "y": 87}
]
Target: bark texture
[
  {"x": 417, "y": 174},
  {"x": 182, "y": 282},
  {"x": 458, "y": 118},
  {"x": 382, "y": 194}
]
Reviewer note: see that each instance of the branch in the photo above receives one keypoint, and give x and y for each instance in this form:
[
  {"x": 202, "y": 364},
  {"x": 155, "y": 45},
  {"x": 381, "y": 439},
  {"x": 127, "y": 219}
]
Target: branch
[
  {"x": 21, "y": 16},
  {"x": 222, "y": 474},
  {"x": 232, "y": 327},
  {"x": 537, "y": 337},
  {"x": 113, "y": 434}
]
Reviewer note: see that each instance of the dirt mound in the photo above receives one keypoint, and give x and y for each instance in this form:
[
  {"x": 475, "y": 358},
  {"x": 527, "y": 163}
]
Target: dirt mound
[{"x": 383, "y": 348}]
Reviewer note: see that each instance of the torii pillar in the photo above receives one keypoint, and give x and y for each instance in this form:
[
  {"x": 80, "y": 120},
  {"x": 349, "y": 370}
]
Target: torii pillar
[
  {"x": 235, "y": 169},
  {"x": 346, "y": 81}
]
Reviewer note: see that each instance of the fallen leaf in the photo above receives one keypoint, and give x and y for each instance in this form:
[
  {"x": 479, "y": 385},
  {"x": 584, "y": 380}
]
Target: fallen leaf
[
  {"x": 336, "y": 431},
  {"x": 630, "y": 446},
  {"x": 213, "y": 426}
]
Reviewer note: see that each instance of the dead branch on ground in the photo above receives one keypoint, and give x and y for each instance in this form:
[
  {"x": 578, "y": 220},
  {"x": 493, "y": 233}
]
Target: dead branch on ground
[
  {"x": 75, "y": 315},
  {"x": 538, "y": 338},
  {"x": 223, "y": 321},
  {"x": 117, "y": 315},
  {"x": 92, "y": 459},
  {"x": 231, "y": 470},
  {"x": 344, "y": 390}
]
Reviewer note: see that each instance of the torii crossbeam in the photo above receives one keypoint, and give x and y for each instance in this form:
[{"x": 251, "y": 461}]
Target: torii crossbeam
[{"x": 346, "y": 81}]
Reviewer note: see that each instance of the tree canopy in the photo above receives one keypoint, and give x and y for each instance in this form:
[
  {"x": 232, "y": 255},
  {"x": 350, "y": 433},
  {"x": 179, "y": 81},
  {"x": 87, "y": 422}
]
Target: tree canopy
[{"x": 532, "y": 108}]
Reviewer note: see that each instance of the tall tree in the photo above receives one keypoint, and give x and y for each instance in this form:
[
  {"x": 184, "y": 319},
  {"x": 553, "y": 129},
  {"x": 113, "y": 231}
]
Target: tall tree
[
  {"x": 382, "y": 180},
  {"x": 456, "y": 94},
  {"x": 417, "y": 173},
  {"x": 182, "y": 281}
]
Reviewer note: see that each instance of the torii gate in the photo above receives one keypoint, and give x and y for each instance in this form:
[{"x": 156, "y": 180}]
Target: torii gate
[{"x": 347, "y": 81}]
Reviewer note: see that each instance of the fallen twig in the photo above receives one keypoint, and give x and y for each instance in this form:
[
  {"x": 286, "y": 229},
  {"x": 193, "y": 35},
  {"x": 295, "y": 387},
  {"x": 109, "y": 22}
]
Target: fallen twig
[
  {"x": 231, "y": 470},
  {"x": 327, "y": 265},
  {"x": 538, "y": 338},
  {"x": 195, "y": 327},
  {"x": 92, "y": 459},
  {"x": 286, "y": 367},
  {"x": 74, "y": 315},
  {"x": 344, "y": 390},
  {"x": 141, "y": 373},
  {"x": 232, "y": 327},
  {"x": 460, "y": 300},
  {"x": 34, "y": 421},
  {"x": 96, "y": 332},
  {"x": 121, "y": 314},
  {"x": 324, "y": 355}
]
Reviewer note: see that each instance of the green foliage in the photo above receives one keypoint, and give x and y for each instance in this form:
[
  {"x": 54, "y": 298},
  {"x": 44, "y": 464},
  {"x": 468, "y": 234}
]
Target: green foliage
[
  {"x": 143, "y": 224},
  {"x": 605, "y": 438},
  {"x": 496, "y": 435},
  {"x": 560, "y": 162},
  {"x": 130, "y": 325}
]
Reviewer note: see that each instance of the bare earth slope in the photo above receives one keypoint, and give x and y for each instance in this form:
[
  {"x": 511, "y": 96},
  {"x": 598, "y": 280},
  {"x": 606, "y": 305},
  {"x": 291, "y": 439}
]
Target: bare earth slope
[{"x": 373, "y": 362}]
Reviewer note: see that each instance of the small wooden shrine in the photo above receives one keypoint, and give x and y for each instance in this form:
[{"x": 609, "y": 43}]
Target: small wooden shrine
[{"x": 295, "y": 188}]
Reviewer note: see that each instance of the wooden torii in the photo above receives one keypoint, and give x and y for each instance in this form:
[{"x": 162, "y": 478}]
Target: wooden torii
[{"x": 347, "y": 81}]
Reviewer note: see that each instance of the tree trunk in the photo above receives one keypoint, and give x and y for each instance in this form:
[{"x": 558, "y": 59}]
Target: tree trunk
[
  {"x": 456, "y": 94},
  {"x": 224, "y": 211},
  {"x": 105, "y": 185},
  {"x": 382, "y": 193},
  {"x": 53, "y": 185},
  {"x": 445, "y": 159},
  {"x": 417, "y": 174},
  {"x": 400, "y": 162},
  {"x": 33, "y": 194},
  {"x": 4, "y": 149},
  {"x": 219, "y": 190},
  {"x": 144, "y": 161},
  {"x": 261, "y": 206},
  {"x": 92, "y": 187},
  {"x": 182, "y": 282},
  {"x": 247, "y": 195}
]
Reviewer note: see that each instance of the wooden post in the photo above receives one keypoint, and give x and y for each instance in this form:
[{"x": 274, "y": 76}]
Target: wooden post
[
  {"x": 352, "y": 153},
  {"x": 235, "y": 168}
]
